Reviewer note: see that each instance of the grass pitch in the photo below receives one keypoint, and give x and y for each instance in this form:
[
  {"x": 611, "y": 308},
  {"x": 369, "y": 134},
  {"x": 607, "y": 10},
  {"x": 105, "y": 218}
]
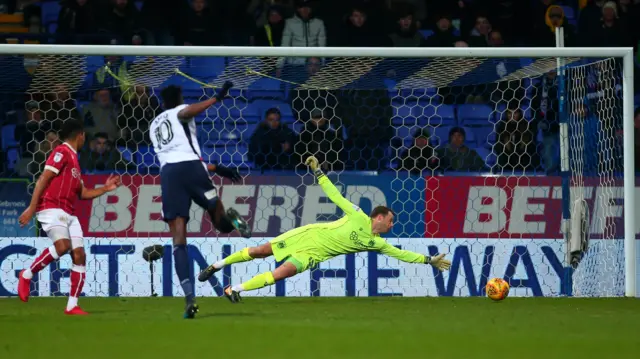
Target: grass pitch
[{"x": 323, "y": 328}]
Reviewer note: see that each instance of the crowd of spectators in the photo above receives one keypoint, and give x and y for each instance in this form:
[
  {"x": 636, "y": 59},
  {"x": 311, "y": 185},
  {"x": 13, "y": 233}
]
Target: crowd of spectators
[{"x": 349, "y": 128}]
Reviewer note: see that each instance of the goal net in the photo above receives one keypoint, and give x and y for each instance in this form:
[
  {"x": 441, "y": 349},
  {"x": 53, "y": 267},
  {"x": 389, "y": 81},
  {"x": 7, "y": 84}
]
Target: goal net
[{"x": 513, "y": 169}]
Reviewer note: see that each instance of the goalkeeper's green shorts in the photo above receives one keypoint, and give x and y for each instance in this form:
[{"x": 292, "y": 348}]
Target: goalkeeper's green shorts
[{"x": 298, "y": 248}]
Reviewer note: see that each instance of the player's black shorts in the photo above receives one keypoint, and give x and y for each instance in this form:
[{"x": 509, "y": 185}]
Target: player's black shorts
[{"x": 182, "y": 183}]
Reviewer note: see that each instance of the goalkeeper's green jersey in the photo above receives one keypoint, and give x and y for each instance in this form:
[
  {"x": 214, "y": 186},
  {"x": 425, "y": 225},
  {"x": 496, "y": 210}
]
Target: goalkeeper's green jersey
[{"x": 350, "y": 234}]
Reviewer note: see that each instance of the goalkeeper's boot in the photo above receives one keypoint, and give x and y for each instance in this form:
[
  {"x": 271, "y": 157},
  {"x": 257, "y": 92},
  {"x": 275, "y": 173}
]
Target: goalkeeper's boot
[
  {"x": 207, "y": 273},
  {"x": 232, "y": 295},
  {"x": 239, "y": 223},
  {"x": 24, "y": 287},
  {"x": 191, "y": 309}
]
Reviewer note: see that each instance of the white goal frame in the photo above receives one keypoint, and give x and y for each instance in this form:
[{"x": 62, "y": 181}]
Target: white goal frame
[{"x": 553, "y": 52}]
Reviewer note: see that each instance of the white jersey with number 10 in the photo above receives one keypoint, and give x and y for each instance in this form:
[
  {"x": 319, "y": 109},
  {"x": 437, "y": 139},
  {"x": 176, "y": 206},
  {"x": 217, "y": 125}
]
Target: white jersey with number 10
[{"x": 172, "y": 141}]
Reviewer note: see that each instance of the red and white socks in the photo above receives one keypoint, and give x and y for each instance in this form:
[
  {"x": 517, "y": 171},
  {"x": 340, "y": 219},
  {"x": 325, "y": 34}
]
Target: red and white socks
[
  {"x": 44, "y": 259},
  {"x": 78, "y": 275}
]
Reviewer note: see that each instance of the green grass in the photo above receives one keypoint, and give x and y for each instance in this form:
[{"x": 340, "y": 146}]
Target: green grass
[{"x": 323, "y": 328}]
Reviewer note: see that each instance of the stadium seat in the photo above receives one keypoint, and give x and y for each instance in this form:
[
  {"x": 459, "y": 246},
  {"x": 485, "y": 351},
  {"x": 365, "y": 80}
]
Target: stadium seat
[
  {"x": 568, "y": 12},
  {"x": 205, "y": 67},
  {"x": 426, "y": 33},
  {"x": 403, "y": 114},
  {"x": 266, "y": 88},
  {"x": 127, "y": 155},
  {"x": 50, "y": 11},
  {"x": 8, "y": 136},
  {"x": 146, "y": 157},
  {"x": 485, "y": 135},
  {"x": 405, "y": 134},
  {"x": 474, "y": 115},
  {"x": 440, "y": 115},
  {"x": 13, "y": 156},
  {"x": 487, "y": 156},
  {"x": 439, "y": 135}
]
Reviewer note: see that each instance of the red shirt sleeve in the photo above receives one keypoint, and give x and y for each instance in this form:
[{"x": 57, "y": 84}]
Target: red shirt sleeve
[{"x": 56, "y": 161}]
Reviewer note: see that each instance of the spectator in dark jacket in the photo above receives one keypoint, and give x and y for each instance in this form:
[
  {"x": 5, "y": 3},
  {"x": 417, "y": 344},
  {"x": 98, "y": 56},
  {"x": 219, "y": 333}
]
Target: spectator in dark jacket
[
  {"x": 358, "y": 31},
  {"x": 271, "y": 33},
  {"x": 200, "y": 26},
  {"x": 272, "y": 145},
  {"x": 101, "y": 156},
  {"x": 456, "y": 156},
  {"x": 443, "y": 35},
  {"x": 419, "y": 157},
  {"x": 319, "y": 139},
  {"x": 76, "y": 17},
  {"x": 516, "y": 147},
  {"x": 546, "y": 33},
  {"x": 123, "y": 21},
  {"x": 406, "y": 34}
]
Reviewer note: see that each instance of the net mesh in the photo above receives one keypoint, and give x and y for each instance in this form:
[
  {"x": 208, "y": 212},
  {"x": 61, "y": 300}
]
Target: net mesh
[{"x": 410, "y": 127}]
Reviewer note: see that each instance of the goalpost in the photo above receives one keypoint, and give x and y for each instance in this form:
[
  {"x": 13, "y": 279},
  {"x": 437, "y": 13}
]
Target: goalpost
[{"x": 565, "y": 231}]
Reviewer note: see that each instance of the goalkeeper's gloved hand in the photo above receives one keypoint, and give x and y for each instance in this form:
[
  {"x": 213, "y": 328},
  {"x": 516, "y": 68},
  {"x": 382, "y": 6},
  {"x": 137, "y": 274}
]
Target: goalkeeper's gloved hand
[
  {"x": 439, "y": 262},
  {"x": 230, "y": 173},
  {"x": 224, "y": 90},
  {"x": 313, "y": 164}
]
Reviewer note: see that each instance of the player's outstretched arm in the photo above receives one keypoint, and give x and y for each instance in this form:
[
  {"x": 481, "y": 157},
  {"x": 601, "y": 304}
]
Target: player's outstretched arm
[
  {"x": 329, "y": 189},
  {"x": 195, "y": 109},
  {"x": 111, "y": 184},
  {"x": 437, "y": 261},
  {"x": 41, "y": 185}
]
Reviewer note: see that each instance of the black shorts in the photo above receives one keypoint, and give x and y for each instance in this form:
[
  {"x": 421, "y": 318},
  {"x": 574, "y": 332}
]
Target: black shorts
[{"x": 182, "y": 183}]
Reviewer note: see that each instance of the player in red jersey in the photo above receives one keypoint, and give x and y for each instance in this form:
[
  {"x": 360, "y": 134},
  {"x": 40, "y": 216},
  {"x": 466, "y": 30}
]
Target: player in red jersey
[{"x": 53, "y": 203}]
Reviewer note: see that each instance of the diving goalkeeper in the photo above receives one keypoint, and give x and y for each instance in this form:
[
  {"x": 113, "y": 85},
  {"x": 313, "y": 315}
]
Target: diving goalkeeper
[{"x": 303, "y": 248}]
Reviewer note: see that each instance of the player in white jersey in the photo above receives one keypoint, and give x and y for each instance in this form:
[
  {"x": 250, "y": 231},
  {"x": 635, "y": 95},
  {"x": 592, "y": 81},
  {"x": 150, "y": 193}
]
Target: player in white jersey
[{"x": 184, "y": 178}]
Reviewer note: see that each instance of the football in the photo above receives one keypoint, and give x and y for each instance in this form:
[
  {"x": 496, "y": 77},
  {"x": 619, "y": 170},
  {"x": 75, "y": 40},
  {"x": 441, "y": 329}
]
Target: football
[{"x": 497, "y": 289}]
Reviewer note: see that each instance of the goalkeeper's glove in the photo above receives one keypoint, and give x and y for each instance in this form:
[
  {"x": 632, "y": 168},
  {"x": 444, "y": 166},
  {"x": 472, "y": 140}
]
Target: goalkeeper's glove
[
  {"x": 313, "y": 164},
  {"x": 224, "y": 90},
  {"x": 227, "y": 172},
  {"x": 438, "y": 262}
]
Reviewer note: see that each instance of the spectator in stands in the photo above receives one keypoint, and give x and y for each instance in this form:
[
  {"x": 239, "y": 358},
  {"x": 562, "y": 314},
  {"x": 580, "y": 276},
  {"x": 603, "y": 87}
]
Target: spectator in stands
[
  {"x": 123, "y": 21},
  {"x": 302, "y": 30},
  {"x": 417, "y": 8},
  {"x": 456, "y": 156},
  {"x": 59, "y": 106},
  {"x": 101, "y": 116},
  {"x": 480, "y": 32},
  {"x": 419, "y": 157},
  {"x": 303, "y": 101},
  {"x": 366, "y": 115},
  {"x": 159, "y": 21},
  {"x": 260, "y": 10},
  {"x": 495, "y": 39},
  {"x": 321, "y": 140},
  {"x": 406, "y": 33},
  {"x": 138, "y": 110},
  {"x": 589, "y": 20},
  {"x": 76, "y": 17},
  {"x": 35, "y": 165},
  {"x": 553, "y": 19},
  {"x": 443, "y": 35},
  {"x": 272, "y": 145},
  {"x": 270, "y": 34},
  {"x": 516, "y": 147},
  {"x": 545, "y": 108},
  {"x": 32, "y": 131},
  {"x": 201, "y": 26},
  {"x": 101, "y": 156},
  {"x": 611, "y": 32},
  {"x": 629, "y": 14},
  {"x": 358, "y": 31}
]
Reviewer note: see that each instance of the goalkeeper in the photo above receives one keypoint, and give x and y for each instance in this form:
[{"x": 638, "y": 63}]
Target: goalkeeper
[{"x": 303, "y": 248}]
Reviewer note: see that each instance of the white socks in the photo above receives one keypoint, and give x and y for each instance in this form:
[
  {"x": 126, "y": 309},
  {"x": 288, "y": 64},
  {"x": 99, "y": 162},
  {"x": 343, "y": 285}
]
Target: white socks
[
  {"x": 237, "y": 288},
  {"x": 219, "y": 264}
]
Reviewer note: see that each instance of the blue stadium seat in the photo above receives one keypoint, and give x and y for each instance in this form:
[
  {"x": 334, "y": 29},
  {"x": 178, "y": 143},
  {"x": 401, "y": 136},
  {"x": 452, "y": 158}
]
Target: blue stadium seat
[
  {"x": 127, "y": 155},
  {"x": 568, "y": 12},
  {"x": 474, "y": 115},
  {"x": 146, "y": 157},
  {"x": 487, "y": 156},
  {"x": 226, "y": 153},
  {"x": 261, "y": 106},
  {"x": 50, "y": 11},
  {"x": 441, "y": 115},
  {"x": 439, "y": 135},
  {"x": 426, "y": 33},
  {"x": 8, "y": 136},
  {"x": 297, "y": 126},
  {"x": 13, "y": 156},
  {"x": 205, "y": 66},
  {"x": 266, "y": 88},
  {"x": 403, "y": 113},
  {"x": 485, "y": 135},
  {"x": 405, "y": 134}
]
